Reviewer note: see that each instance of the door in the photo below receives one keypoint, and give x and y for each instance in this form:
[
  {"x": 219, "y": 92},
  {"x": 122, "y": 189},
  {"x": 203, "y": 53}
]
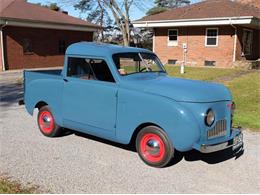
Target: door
[
  {"x": 247, "y": 42},
  {"x": 90, "y": 95}
]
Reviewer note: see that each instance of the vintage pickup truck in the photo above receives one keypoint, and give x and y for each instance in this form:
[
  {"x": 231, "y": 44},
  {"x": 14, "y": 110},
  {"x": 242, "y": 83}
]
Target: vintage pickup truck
[{"x": 124, "y": 94}]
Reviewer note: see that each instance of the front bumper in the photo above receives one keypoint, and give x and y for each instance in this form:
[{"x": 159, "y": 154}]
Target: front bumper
[{"x": 235, "y": 142}]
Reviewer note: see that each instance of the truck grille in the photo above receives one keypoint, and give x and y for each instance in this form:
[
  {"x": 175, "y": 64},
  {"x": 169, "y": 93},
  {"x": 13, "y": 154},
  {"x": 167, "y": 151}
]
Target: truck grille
[{"x": 220, "y": 129}]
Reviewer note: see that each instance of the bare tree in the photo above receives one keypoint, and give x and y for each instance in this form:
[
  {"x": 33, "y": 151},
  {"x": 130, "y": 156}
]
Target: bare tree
[
  {"x": 105, "y": 12},
  {"x": 119, "y": 9},
  {"x": 121, "y": 17}
]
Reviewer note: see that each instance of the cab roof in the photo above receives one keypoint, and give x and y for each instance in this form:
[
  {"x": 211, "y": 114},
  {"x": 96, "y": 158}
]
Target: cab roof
[{"x": 100, "y": 49}]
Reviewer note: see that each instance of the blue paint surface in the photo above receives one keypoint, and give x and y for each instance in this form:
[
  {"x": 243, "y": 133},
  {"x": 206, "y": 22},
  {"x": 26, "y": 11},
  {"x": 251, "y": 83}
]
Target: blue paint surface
[{"x": 115, "y": 110}]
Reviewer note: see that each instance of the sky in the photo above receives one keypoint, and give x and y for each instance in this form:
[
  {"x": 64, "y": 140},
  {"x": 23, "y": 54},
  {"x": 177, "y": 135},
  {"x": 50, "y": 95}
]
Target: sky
[{"x": 135, "y": 12}]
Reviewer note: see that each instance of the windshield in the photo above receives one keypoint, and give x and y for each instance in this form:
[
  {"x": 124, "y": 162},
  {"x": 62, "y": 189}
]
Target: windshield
[{"x": 131, "y": 63}]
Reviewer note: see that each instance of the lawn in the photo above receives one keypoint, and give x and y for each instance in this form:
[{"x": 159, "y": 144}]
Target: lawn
[
  {"x": 246, "y": 93},
  {"x": 244, "y": 85},
  {"x": 206, "y": 74},
  {"x": 13, "y": 187}
]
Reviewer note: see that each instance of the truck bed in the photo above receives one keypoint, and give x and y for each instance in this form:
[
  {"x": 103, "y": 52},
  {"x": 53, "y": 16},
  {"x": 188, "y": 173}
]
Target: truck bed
[
  {"x": 41, "y": 74},
  {"x": 42, "y": 85}
]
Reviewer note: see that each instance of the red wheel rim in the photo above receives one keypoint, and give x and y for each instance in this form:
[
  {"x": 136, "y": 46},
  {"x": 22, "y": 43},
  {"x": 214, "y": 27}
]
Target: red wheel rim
[
  {"x": 46, "y": 122},
  {"x": 152, "y": 147}
]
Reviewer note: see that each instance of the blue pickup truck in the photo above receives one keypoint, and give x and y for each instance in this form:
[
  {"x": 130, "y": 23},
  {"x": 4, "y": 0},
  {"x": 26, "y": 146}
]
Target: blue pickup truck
[{"x": 124, "y": 94}]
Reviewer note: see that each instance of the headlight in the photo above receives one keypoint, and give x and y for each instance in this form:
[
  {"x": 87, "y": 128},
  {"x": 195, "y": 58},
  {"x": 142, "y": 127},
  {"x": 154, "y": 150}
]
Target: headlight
[{"x": 210, "y": 117}]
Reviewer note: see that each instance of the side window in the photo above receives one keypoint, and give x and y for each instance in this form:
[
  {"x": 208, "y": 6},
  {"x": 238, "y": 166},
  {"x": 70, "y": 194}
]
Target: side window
[
  {"x": 89, "y": 69},
  {"x": 211, "y": 37},
  {"x": 172, "y": 37},
  {"x": 27, "y": 46},
  {"x": 77, "y": 67}
]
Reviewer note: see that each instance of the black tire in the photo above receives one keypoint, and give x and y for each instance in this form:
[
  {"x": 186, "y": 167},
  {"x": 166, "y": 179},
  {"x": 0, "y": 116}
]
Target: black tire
[
  {"x": 154, "y": 147},
  {"x": 46, "y": 123}
]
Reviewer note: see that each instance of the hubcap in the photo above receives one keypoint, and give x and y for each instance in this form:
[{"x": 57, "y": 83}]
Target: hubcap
[
  {"x": 46, "y": 122},
  {"x": 152, "y": 147}
]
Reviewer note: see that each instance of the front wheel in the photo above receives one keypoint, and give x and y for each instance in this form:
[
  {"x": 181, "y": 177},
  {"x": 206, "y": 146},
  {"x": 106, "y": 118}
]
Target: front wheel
[
  {"x": 154, "y": 146},
  {"x": 47, "y": 124}
]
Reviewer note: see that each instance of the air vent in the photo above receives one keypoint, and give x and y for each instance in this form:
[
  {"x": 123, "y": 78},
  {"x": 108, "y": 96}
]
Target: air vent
[
  {"x": 209, "y": 63},
  {"x": 172, "y": 62}
]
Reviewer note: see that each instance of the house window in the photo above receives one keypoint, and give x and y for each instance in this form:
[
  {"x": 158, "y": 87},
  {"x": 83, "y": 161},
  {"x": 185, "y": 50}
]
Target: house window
[
  {"x": 247, "y": 42},
  {"x": 27, "y": 46},
  {"x": 172, "y": 37},
  {"x": 62, "y": 46},
  {"x": 211, "y": 37}
]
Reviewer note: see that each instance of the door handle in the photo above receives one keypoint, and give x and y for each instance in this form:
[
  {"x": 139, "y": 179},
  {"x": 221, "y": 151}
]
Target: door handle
[{"x": 66, "y": 80}]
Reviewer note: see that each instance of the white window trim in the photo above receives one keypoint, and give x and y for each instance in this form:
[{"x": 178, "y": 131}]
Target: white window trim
[
  {"x": 176, "y": 42},
  {"x": 206, "y": 37},
  {"x": 251, "y": 49}
]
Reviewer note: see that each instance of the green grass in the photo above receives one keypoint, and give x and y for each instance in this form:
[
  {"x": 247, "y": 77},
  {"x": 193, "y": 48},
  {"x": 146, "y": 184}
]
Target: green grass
[
  {"x": 13, "y": 187},
  {"x": 244, "y": 88},
  {"x": 246, "y": 94},
  {"x": 206, "y": 74}
]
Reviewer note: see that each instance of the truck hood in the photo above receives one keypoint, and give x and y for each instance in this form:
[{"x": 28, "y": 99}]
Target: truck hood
[{"x": 183, "y": 89}]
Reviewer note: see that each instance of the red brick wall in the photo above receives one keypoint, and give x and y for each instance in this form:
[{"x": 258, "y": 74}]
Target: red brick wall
[
  {"x": 197, "y": 51},
  {"x": 45, "y": 46}
]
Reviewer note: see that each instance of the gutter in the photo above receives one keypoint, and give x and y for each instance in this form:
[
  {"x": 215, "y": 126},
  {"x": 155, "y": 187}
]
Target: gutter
[
  {"x": 235, "y": 41},
  {"x": 194, "y": 22},
  {"x": 2, "y": 44},
  {"x": 197, "y": 19}
]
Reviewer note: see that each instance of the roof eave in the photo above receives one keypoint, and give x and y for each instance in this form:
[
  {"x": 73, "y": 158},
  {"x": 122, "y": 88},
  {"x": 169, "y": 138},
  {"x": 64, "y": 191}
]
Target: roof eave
[
  {"x": 196, "y": 22},
  {"x": 48, "y": 25}
]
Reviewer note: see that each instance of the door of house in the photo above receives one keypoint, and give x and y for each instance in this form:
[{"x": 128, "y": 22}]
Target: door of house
[{"x": 247, "y": 42}]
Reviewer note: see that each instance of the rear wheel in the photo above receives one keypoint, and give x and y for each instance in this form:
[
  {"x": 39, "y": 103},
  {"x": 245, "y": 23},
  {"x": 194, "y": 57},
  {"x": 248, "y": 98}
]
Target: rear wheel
[
  {"x": 47, "y": 124},
  {"x": 154, "y": 146}
]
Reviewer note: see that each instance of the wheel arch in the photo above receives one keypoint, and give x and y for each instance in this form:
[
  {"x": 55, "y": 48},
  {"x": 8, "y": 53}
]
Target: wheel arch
[
  {"x": 40, "y": 104},
  {"x": 139, "y": 128},
  {"x": 52, "y": 108}
]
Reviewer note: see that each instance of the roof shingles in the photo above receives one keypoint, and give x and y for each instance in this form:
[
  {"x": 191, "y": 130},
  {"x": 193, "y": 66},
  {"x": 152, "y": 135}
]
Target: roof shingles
[
  {"x": 21, "y": 10},
  {"x": 206, "y": 9}
]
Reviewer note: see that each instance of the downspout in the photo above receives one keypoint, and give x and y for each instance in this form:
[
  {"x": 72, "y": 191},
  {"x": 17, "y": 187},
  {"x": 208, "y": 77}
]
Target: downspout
[
  {"x": 235, "y": 41},
  {"x": 154, "y": 40},
  {"x": 2, "y": 44}
]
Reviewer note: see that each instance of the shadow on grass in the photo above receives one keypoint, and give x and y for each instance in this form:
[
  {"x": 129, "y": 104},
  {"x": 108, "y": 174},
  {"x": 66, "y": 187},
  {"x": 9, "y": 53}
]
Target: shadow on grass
[{"x": 190, "y": 156}]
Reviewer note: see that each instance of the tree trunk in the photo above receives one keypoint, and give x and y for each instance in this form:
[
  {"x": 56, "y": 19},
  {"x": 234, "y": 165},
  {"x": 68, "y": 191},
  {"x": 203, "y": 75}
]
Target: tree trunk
[
  {"x": 122, "y": 20},
  {"x": 101, "y": 19}
]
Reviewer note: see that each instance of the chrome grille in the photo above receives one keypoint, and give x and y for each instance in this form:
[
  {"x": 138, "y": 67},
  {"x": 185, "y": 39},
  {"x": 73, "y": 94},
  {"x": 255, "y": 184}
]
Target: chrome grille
[{"x": 220, "y": 129}]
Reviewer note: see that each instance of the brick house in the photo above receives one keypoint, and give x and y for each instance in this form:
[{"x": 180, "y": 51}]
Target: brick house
[
  {"x": 215, "y": 33},
  {"x": 32, "y": 36}
]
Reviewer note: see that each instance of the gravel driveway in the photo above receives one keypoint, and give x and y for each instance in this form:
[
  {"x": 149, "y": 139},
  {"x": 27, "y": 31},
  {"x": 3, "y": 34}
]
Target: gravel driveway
[{"x": 82, "y": 164}]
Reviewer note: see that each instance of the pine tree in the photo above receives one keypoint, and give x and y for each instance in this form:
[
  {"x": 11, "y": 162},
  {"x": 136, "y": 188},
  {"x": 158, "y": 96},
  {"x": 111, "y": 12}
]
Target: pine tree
[{"x": 163, "y": 5}]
